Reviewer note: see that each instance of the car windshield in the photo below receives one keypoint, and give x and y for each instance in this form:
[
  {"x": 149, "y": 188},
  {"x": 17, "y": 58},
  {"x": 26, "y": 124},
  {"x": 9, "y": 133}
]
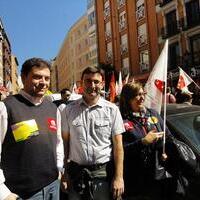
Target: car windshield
[{"x": 187, "y": 124}]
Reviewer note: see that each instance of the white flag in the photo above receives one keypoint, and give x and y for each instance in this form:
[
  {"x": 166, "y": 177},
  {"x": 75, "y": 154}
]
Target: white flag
[
  {"x": 183, "y": 81},
  {"x": 126, "y": 79},
  {"x": 120, "y": 84},
  {"x": 155, "y": 83}
]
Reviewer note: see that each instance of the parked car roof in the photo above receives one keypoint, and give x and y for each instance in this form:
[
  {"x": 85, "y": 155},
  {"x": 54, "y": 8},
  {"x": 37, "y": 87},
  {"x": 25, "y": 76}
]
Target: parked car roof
[{"x": 183, "y": 120}]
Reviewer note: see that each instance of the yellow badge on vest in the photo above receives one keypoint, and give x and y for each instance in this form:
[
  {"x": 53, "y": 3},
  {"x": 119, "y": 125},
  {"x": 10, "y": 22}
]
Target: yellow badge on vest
[
  {"x": 24, "y": 130},
  {"x": 153, "y": 120}
]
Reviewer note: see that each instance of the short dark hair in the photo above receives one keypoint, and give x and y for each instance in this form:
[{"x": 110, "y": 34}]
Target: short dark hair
[
  {"x": 32, "y": 62},
  {"x": 93, "y": 70},
  {"x": 64, "y": 90}
]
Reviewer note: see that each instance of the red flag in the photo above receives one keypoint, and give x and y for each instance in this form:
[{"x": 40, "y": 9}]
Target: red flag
[
  {"x": 156, "y": 80},
  {"x": 183, "y": 81},
  {"x": 112, "y": 88}
]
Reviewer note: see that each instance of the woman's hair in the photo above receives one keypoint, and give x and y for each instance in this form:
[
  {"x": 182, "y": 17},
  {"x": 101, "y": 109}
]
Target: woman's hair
[{"x": 129, "y": 91}]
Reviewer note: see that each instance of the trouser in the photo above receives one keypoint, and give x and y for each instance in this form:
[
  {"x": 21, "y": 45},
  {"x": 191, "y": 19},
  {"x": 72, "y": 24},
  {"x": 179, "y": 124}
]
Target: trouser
[
  {"x": 50, "y": 192},
  {"x": 88, "y": 182},
  {"x": 101, "y": 191}
]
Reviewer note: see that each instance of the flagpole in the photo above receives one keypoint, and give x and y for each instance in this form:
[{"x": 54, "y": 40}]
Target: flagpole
[
  {"x": 164, "y": 114},
  {"x": 165, "y": 103}
]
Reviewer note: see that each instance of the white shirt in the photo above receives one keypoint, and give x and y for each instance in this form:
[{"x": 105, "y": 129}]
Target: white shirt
[
  {"x": 4, "y": 191},
  {"x": 91, "y": 129}
]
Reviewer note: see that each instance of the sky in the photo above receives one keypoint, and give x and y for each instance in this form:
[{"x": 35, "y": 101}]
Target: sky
[{"x": 37, "y": 28}]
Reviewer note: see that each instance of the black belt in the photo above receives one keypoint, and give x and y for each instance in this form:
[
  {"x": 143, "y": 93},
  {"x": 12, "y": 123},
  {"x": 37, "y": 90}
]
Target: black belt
[{"x": 89, "y": 167}]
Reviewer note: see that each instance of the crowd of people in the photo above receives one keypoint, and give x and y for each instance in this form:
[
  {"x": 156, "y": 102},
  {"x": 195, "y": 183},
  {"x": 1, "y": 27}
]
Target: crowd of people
[{"x": 89, "y": 148}]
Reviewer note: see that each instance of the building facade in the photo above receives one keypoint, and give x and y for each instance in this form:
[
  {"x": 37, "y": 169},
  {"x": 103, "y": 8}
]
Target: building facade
[
  {"x": 179, "y": 22},
  {"x": 127, "y": 36},
  {"x": 74, "y": 55},
  {"x": 92, "y": 33},
  {"x": 5, "y": 62},
  {"x": 14, "y": 75}
]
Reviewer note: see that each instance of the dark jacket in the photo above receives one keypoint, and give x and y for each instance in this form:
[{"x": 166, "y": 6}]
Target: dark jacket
[{"x": 144, "y": 174}]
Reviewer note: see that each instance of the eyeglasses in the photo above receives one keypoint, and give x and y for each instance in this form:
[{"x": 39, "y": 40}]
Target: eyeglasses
[{"x": 89, "y": 81}]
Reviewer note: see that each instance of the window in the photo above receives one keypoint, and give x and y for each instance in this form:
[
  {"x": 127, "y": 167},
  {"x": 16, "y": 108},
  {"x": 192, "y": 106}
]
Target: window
[
  {"x": 108, "y": 30},
  {"x": 193, "y": 13},
  {"x": 174, "y": 56},
  {"x": 171, "y": 23},
  {"x": 140, "y": 12},
  {"x": 124, "y": 44},
  {"x": 195, "y": 49},
  {"x": 91, "y": 18},
  {"x": 120, "y": 3},
  {"x": 122, "y": 20},
  {"x": 125, "y": 66},
  {"x": 144, "y": 61},
  {"x": 142, "y": 35},
  {"x": 109, "y": 51},
  {"x": 106, "y": 9}
]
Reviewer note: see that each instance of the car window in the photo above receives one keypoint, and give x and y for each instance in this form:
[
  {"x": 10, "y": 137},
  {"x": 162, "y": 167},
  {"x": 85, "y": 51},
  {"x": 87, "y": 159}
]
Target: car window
[{"x": 187, "y": 124}]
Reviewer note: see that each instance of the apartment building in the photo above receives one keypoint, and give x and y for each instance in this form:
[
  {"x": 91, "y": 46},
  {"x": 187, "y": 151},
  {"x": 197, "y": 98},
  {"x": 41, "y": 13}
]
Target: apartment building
[
  {"x": 1, "y": 53},
  {"x": 54, "y": 77},
  {"x": 5, "y": 61},
  {"x": 92, "y": 32},
  {"x": 14, "y": 75},
  {"x": 179, "y": 22},
  {"x": 73, "y": 56},
  {"x": 127, "y": 36}
]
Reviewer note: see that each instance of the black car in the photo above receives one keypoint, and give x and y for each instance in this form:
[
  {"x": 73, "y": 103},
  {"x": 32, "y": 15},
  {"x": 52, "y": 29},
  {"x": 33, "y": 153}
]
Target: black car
[{"x": 183, "y": 120}]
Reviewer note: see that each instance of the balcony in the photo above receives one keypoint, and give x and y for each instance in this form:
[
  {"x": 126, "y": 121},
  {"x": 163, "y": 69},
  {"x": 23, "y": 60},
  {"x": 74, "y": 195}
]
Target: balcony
[{"x": 170, "y": 30}]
